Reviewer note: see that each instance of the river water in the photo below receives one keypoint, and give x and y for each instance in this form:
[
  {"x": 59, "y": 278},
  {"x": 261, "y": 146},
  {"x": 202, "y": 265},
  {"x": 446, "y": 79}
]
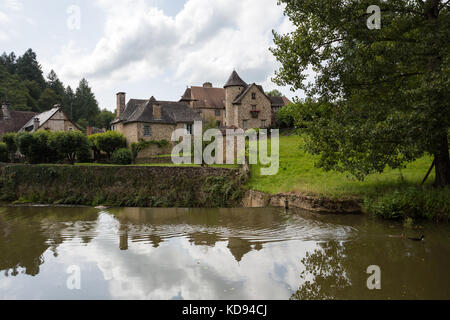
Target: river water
[{"x": 137, "y": 253}]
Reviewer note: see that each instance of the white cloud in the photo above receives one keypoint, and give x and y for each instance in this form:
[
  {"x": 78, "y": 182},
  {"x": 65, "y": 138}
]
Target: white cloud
[
  {"x": 3, "y": 26},
  {"x": 14, "y": 5},
  {"x": 203, "y": 42}
]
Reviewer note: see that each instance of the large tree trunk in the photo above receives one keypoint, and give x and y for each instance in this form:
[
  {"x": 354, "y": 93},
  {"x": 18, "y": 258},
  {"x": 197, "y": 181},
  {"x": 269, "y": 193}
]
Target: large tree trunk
[
  {"x": 442, "y": 164},
  {"x": 441, "y": 156}
]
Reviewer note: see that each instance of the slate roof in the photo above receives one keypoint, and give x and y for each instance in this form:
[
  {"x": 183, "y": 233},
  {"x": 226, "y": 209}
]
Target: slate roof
[
  {"x": 205, "y": 98},
  {"x": 16, "y": 122},
  {"x": 277, "y": 101},
  {"x": 214, "y": 98},
  {"x": 171, "y": 112},
  {"x": 235, "y": 80}
]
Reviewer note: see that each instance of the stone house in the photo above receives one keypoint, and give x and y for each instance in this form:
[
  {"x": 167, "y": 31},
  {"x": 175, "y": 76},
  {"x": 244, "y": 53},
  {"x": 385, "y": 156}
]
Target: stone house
[
  {"x": 237, "y": 104},
  {"x": 152, "y": 119},
  {"x": 208, "y": 101},
  {"x": 13, "y": 121},
  {"x": 51, "y": 120}
]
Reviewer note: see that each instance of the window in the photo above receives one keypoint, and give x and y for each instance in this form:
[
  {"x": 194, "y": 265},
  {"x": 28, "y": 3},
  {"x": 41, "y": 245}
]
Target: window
[
  {"x": 147, "y": 131},
  {"x": 188, "y": 128},
  {"x": 217, "y": 112},
  {"x": 254, "y": 96},
  {"x": 263, "y": 123},
  {"x": 254, "y": 107},
  {"x": 218, "y": 123},
  {"x": 245, "y": 124}
]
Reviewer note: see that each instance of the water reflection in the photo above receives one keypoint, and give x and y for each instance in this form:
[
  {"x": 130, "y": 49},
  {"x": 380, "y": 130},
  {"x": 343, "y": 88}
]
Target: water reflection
[{"x": 134, "y": 253}]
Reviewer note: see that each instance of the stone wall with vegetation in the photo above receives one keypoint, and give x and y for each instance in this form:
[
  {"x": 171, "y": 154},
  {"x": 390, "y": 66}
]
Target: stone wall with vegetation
[{"x": 121, "y": 186}]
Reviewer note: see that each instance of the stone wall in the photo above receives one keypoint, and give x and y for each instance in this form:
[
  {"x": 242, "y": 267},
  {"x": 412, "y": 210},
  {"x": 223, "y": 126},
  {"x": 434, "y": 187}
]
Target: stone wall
[
  {"x": 263, "y": 105},
  {"x": 208, "y": 114},
  {"x": 258, "y": 199},
  {"x": 121, "y": 186}
]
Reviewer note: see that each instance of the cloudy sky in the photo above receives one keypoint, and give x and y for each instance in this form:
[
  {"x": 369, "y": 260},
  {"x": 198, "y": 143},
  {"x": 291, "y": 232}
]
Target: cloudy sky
[{"x": 146, "y": 47}]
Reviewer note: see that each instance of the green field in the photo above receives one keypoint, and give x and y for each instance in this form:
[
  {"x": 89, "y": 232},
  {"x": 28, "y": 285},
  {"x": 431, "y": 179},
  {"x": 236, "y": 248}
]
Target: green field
[{"x": 297, "y": 173}]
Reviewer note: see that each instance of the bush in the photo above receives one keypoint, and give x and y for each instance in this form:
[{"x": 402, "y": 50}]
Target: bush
[
  {"x": 3, "y": 152},
  {"x": 109, "y": 142},
  {"x": 411, "y": 203},
  {"x": 26, "y": 144},
  {"x": 84, "y": 155},
  {"x": 288, "y": 115},
  {"x": 68, "y": 143},
  {"x": 122, "y": 156},
  {"x": 10, "y": 141}
]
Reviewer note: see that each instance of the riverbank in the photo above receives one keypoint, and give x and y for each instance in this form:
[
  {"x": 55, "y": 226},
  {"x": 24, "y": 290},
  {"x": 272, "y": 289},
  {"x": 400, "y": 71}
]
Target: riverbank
[
  {"x": 139, "y": 186},
  {"x": 393, "y": 194}
]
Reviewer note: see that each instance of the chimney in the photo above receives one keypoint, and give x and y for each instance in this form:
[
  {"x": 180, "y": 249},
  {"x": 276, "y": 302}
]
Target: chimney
[
  {"x": 5, "y": 111},
  {"x": 36, "y": 124},
  {"x": 207, "y": 85},
  {"x": 157, "y": 111},
  {"x": 120, "y": 103}
]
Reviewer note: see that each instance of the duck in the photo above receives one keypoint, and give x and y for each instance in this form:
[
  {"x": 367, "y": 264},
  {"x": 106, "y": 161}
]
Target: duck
[{"x": 422, "y": 238}]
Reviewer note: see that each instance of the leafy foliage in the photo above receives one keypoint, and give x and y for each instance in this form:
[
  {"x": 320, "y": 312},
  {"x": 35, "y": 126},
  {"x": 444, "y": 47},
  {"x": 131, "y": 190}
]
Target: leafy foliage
[
  {"x": 109, "y": 142},
  {"x": 383, "y": 95},
  {"x": 274, "y": 93},
  {"x": 3, "y": 152},
  {"x": 10, "y": 141},
  {"x": 68, "y": 143},
  {"x": 122, "y": 156},
  {"x": 22, "y": 83},
  {"x": 411, "y": 203},
  {"x": 36, "y": 148}
]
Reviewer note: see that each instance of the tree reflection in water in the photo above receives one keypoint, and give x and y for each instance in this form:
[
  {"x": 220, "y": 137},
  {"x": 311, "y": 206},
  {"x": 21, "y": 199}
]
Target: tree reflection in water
[
  {"x": 324, "y": 276},
  {"x": 409, "y": 270}
]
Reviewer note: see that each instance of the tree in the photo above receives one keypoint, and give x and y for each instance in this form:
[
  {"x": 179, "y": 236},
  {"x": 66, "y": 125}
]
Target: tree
[
  {"x": 3, "y": 152},
  {"x": 104, "y": 119},
  {"x": 28, "y": 68},
  {"x": 110, "y": 141},
  {"x": 56, "y": 85},
  {"x": 9, "y": 62},
  {"x": 36, "y": 147},
  {"x": 383, "y": 93},
  {"x": 69, "y": 143},
  {"x": 68, "y": 101},
  {"x": 274, "y": 93},
  {"x": 48, "y": 99},
  {"x": 85, "y": 105},
  {"x": 11, "y": 146}
]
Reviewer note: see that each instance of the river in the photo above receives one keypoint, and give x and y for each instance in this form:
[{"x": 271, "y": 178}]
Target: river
[{"x": 143, "y": 253}]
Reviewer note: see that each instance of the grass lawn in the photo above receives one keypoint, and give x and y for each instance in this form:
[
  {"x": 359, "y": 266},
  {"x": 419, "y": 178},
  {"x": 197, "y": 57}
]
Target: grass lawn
[{"x": 297, "y": 173}]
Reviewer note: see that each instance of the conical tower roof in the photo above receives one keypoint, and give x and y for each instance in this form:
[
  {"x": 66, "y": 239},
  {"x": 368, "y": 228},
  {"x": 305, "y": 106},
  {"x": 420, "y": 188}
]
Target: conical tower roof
[{"x": 235, "y": 80}]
